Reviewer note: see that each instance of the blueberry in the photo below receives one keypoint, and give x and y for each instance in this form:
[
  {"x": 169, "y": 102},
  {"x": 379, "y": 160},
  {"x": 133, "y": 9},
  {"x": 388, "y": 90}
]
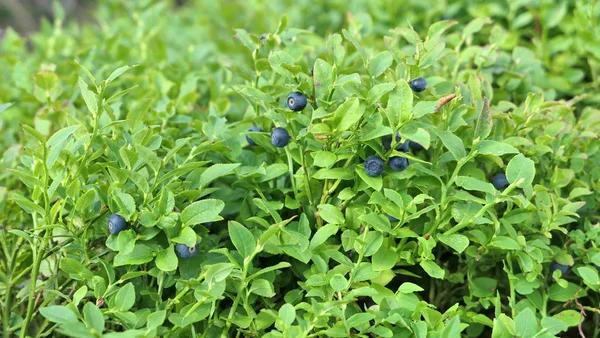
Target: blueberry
[
  {"x": 253, "y": 129},
  {"x": 597, "y": 267},
  {"x": 207, "y": 224},
  {"x": 374, "y": 166},
  {"x": 296, "y": 101},
  {"x": 116, "y": 224},
  {"x": 280, "y": 137},
  {"x": 499, "y": 181},
  {"x": 418, "y": 85},
  {"x": 414, "y": 146},
  {"x": 398, "y": 163},
  {"x": 556, "y": 266},
  {"x": 185, "y": 251},
  {"x": 386, "y": 142},
  {"x": 392, "y": 218}
]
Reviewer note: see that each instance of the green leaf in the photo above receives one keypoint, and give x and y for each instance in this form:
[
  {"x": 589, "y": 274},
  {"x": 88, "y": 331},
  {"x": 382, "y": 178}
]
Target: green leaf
[
  {"x": 262, "y": 288},
  {"x": 218, "y": 272},
  {"x": 504, "y": 327},
  {"x": 379, "y": 63},
  {"x": 324, "y": 158},
  {"x": 471, "y": 183},
  {"x": 336, "y": 49},
  {"x": 489, "y": 147},
  {"x": 526, "y": 324},
  {"x": 400, "y": 104},
  {"x": 140, "y": 254},
  {"x": 118, "y": 72},
  {"x": 484, "y": 122},
  {"x": 242, "y": 239},
  {"x": 338, "y": 282},
  {"x": 423, "y": 108},
  {"x": 331, "y": 214},
  {"x": 452, "y": 329},
  {"x": 457, "y": 242},
  {"x": 432, "y": 269},
  {"x": 125, "y": 298},
  {"x": 202, "y": 211},
  {"x": 93, "y": 317},
  {"x": 520, "y": 167},
  {"x": 287, "y": 314},
  {"x": 244, "y": 37},
  {"x": 58, "y": 314},
  {"x": 166, "y": 260},
  {"x": 590, "y": 276},
  {"x": 553, "y": 325},
  {"x": 187, "y": 236},
  {"x": 505, "y": 243},
  {"x": 215, "y": 171},
  {"x": 88, "y": 97},
  {"x": 347, "y": 114},
  {"x": 322, "y": 235},
  {"x": 156, "y": 319},
  {"x": 454, "y": 144},
  {"x": 374, "y": 182},
  {"x": 569, "y": 317},
  {"x": 384, "y": 259},
  {"x": 377, "y": 91},
  {"x": 282, "y": 63},
  {"x": 408, "y": 287},
  {"x": 57, "y": 143},
  {"x": 324, "y": 77}
]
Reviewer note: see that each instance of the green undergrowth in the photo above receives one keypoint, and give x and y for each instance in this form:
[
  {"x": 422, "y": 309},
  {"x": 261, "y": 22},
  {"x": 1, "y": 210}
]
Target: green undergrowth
[{"x": 144, "y": 113}]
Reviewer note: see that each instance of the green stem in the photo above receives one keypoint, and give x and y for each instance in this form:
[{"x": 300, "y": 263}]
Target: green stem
[
  {"x": 465, "y": 222},
  {"x": 291, "y": 169}
]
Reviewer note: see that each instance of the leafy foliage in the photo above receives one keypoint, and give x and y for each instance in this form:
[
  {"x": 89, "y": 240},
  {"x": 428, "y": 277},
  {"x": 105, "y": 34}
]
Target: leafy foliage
[{"x": 145, "y": 115}]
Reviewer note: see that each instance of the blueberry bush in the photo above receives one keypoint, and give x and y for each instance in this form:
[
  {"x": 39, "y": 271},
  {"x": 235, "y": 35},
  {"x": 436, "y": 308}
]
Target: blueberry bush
[{"x": 227, "y": 169}]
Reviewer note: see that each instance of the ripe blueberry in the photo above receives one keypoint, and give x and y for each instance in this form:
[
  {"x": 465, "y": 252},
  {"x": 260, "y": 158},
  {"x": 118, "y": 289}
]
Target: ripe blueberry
[
  {"x": 280, "y": 137},
  {"x": 597, "y": 267},
  {"x": 499, "y": 181},
  {"x": 414, "y": 146},
  {"x": 185, "y": 251},
  {"x": 392, "y": 218},
  {"x": 374, "y": 166},
  {"x": 254, "y": 129},
  {"x": 418, "y": 85},
  {"x": 296, "y": 101},
  {"x": 556, "y": 266},
  {"x": 116, "y": 224},
  {"x": 398, "y": 163},
  {"x": 386, "y": 142}
]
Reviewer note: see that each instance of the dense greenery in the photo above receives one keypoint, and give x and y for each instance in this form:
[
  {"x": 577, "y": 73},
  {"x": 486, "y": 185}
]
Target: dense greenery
[{"x": 144, "y": 113}]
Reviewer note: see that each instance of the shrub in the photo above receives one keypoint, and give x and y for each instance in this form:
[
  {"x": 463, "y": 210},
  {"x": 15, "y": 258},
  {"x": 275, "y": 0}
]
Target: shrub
[{"x": 145, "y": 114}]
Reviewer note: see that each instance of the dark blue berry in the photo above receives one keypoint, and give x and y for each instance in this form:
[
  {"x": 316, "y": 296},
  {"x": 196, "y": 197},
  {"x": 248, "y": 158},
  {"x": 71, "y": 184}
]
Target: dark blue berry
[
  {"x": 185, "y": 251},
  {"x": 374, "y": 166},
  {"x": 386, "y": 142},
  {"x": 280, "y": 137},
  {"x": 207, "y": 224},
  {"x": 398, "y": 163},
  {"x": 557, "y": 266},
  {"x": 499, "y": 181},
  {"x": 392, "y": 218},
  {"x": 253, "y": 129},
  {"x": 597, "y": 267},
  {"x": 116, "y": 224},
  {"x": 418, "y": 85},
  {"x": 296, "y": 101},
  {"x": 414, "y": 146}
]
